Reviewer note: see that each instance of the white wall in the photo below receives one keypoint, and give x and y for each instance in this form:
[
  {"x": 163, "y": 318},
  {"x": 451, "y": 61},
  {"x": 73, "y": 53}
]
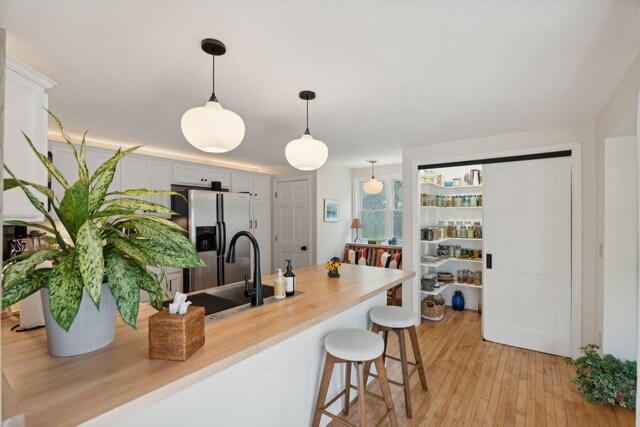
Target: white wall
[
  {"x": 483, "y": 147},
  {"x": 381, "y": 170},
  {"x": 623, "y": 102},
  {"x": 620, "y": 309},
  {"x": 333, "y": 182}
]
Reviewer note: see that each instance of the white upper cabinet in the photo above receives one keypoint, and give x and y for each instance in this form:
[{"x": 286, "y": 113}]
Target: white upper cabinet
[
  {"x": 192, "y": 174},
  {"x": 134, "y": 174},
  {"x": 262, "y": 187},
  {"x": 241, "y": 182},
  {"x": 65, "y": 161},
  {"x": 255, "y": 184},
  {"x": 25, "y": 102},
  {"x": 159, "y": 173}
]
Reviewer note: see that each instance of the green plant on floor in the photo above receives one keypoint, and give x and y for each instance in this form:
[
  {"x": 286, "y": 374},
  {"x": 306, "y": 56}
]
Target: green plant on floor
[
  {"x": 95, "y": 219},
  {"x": 605, "y": 379}
]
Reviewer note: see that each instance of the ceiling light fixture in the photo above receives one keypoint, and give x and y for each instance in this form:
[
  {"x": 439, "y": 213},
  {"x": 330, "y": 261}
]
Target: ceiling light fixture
[
  {"x": 211, "y": 128},
  {"x": 373, "y": 186},
  {"x": 306, "y": 153}
]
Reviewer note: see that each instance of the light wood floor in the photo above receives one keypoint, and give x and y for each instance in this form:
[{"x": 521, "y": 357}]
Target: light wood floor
[{"x": 473, "y": 382}]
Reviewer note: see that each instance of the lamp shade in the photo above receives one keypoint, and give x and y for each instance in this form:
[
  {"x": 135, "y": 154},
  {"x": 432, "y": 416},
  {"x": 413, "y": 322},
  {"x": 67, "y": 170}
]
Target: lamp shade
[
  {"x": 212, "y": 129},
  {"x": 373, "y": 186},
  {"x": 306, "y": 153},
  {"x": 356, "y": 223}
]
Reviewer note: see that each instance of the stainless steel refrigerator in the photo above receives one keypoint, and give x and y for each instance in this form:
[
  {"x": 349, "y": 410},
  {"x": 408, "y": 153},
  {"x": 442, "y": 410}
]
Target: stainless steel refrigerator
[{"x": 212, "y": 219}]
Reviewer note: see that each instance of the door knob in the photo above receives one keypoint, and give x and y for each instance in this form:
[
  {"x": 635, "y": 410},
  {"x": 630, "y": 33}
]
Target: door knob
[{"x": 304, "y": 248}]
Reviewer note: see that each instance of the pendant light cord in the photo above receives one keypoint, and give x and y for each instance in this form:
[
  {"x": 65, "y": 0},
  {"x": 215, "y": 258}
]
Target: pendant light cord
[
  {"x": 372, "y": 174},
  {"x": 213, "y": 79},
  {"x": 306, "y": 132}
]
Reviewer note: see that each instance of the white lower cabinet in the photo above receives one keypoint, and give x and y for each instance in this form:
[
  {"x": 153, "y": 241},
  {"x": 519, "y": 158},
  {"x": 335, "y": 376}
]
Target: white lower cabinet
[{"x": 171, "y": 283}]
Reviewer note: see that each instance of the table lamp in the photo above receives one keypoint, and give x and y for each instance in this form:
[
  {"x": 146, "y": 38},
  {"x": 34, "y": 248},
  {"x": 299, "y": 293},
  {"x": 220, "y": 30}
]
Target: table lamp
[{"x": 357, "y": 224}]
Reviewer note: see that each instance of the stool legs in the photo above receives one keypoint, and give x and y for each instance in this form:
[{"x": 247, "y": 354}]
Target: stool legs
[
  {"x": 321, "y": 403},
  {"x": 404, "y": 363},
  {"x": 413, "y": 335},
  {"x": 347, "y": 389},
  {"x": 324, "y": 388},
  {"x": 386, "y": 392},
  {"x": 361, "y": 393}
]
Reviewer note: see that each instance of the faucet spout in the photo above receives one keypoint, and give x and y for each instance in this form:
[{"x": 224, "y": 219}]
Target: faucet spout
[{"x": 256, "y": 295}]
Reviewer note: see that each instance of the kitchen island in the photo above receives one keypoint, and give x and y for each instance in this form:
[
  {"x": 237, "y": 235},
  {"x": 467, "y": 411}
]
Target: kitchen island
[{"x": 258, "y": 367}]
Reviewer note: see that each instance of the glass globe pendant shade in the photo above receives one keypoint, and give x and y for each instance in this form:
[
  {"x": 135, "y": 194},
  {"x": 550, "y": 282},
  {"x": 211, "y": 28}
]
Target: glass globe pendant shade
[
  {"x": 373, "y": 186},
  {"x": 212, "y": 129},
  {"x": 306, "y": 153}
]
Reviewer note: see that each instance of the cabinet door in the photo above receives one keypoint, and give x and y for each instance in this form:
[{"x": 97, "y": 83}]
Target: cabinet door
[
  {"x": 173, "y": 284},
  {"x": 188, "y": 174},
  {"x": 24, "y": 102},
  {"x": 159, "y": 178},
  {"x": 241, "y": 182},
  {"x": 265, "y": 260},
  {"x": 215, "y": 174},
  {"x": 65, "y": 161},
  {"x": 96, "y": 157},
  {"x": 262, "y": 187},
  {"x": 261, "y": 222},
  {"x": 133, "y": 174}
]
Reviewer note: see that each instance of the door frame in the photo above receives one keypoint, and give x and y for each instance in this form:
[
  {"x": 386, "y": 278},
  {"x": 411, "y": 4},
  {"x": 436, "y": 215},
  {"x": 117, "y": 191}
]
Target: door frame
[
  {"x": 311, "y": 244},
  {"x": 413, "y": 293}
]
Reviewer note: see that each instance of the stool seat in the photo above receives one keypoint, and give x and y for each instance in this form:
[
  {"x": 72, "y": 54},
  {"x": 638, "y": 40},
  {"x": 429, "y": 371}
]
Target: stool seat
[
  {"x": 393, "y": 317},
  {"x": 354, "y": 344}
]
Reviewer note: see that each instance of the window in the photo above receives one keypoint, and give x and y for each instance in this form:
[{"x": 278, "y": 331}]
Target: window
[{"x": 381, "y": 214}]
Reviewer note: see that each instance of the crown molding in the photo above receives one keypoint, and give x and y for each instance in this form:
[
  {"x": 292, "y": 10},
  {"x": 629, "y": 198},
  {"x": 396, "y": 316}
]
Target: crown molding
[{"x": 30, "y": 73}]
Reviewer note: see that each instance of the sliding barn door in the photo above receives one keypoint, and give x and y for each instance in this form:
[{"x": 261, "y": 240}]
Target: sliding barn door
[{"x": 527, "y": 254}]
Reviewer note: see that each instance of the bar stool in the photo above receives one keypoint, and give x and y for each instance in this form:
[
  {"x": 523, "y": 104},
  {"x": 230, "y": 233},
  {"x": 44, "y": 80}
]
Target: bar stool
[
  {"x": 357, "y": 346},
  {"x": 397, "y": 319}
]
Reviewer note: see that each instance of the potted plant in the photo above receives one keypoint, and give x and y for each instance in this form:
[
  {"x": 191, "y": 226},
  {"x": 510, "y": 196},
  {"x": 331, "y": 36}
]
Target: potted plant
[
  {"x": 97, "y": 247},
  {"x": 333, "y": 267},
  {"x": 605, "y": 379}
]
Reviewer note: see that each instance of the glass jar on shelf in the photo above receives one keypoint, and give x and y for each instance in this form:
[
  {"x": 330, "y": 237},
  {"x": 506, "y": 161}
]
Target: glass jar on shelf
[
  {"x": 477, "y": 228},
  {"x": 462, "y": 231},
  {"x": 465, "y": 201},
  {"x": 477, "y": 278},
  {"x": 470, "y": 231},
  {"x": 449, "y": 202},
  {"x": 479, "y": 199},
  {"x": 457, "y": 201},
  {"x": 473, "y": 201},
  {"x": 451, "y": 229}
]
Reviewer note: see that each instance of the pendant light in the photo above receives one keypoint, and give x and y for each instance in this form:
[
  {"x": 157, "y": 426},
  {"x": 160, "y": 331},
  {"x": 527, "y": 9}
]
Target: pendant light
[
  {"x": 306, "y": 153},
  {"x": 373, "y": 186},
  {"x": 211, "y": 128}
]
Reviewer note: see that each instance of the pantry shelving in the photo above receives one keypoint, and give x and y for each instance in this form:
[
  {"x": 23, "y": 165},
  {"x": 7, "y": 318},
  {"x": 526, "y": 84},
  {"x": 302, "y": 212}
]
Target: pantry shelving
[{"x": 441, "y": 208}]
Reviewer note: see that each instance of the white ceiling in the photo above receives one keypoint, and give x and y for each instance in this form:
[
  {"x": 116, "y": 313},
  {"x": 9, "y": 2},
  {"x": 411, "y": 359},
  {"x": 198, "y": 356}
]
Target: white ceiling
[{"x": 388, "y": 74}]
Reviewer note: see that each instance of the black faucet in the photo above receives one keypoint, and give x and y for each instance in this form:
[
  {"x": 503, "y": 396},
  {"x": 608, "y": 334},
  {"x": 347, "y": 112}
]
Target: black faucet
[{"x": 256, "y": 292}]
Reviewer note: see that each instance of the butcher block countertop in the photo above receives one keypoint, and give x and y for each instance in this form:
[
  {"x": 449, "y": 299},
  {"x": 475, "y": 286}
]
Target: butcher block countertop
[{"x": 120, "y": 379}]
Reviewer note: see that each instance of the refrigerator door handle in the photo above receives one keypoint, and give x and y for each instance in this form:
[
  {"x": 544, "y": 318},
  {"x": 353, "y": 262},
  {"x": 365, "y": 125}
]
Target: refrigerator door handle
[{"x": 224, "y": 238}]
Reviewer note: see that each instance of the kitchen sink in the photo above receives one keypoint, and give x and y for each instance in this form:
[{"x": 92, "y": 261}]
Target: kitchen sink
[{"x": 235, "y": 292}]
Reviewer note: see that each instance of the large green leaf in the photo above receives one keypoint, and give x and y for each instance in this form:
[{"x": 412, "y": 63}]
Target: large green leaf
[
  {"x": 74, "y": 208},
  {"x": 124, "y": 277},
  {"x": 90, "y": 260},
  {"x": 171, "y": 255},
  {"x": 127, "y": 221},
  {"x": 32, "y": 198},
  {"x": 142, "y": 205},
  {"x": 48, "y": 164},
  {"x": 11, "y": 183},
  {"x": 149, "y": 282},
  {"x": 16, "y": 272},
  {"x": 65, "y": 291},
  {"x": 29, "y": 224},
  {"x": 99, "y": 189},
  {"x": 26, "y": 286},
  {"x": 83, "y": 171},
  {"x": 112, "y": 212},
  {"x": 145, "y": 192},
  {"x": 130, "y": 246},
  {"x": 112, "y": 161}
]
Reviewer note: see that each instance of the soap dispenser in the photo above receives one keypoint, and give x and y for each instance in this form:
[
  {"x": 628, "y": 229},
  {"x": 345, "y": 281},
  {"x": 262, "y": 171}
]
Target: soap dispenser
[{"x": 279, "y": 286}]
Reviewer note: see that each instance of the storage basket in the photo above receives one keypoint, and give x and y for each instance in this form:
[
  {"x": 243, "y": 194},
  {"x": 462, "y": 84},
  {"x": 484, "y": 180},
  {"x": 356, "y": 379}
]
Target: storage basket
[{"x": 433, "y": 307}]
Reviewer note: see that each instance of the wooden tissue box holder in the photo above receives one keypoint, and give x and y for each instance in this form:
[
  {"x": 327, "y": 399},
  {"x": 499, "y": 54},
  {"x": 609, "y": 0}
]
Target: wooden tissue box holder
[{"x": 175, "y": 336}]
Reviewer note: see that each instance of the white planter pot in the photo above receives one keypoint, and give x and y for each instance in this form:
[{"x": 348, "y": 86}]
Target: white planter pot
[{"x": 91, "y": 330}]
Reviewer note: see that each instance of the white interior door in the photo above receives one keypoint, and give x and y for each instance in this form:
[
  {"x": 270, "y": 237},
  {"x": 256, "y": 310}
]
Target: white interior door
[
  {"x": 527, "y": 235},
  {"x": 292, "y": 224}
]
